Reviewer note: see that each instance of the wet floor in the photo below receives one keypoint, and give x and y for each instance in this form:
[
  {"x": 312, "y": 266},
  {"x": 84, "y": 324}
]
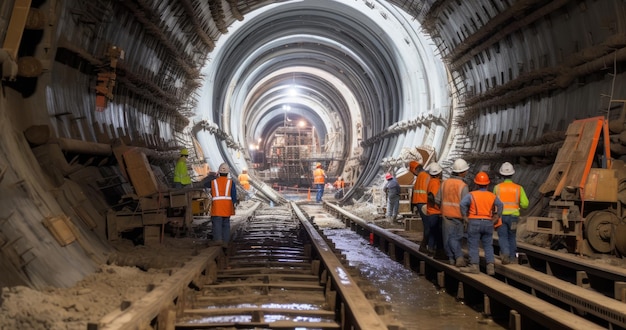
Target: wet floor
[{"x": 415, "y": 301}]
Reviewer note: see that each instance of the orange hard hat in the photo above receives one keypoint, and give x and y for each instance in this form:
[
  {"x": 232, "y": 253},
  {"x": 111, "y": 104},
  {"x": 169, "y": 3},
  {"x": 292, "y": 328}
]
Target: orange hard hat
[
  {"x": 481, "y": 179},
  {"x": 413, "y": 166}
]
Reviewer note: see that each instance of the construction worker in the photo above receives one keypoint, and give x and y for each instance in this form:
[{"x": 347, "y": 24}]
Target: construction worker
[
  {"x": 449, "y": 199},
  {"x": 480, "y": 209},
  {"x": 224, "y": 198},
  {"x": 319, "y": 178},
  {"x": 419, "y": 197},
  {"x": 513, "y": 197},
  {"x": 392, "y": 189},
  {"x": 432, "y": 218},
  {"x": 244, "y": 179},
  {"x": 181, "y": 174},
  {"x": 339, "y": 185}
]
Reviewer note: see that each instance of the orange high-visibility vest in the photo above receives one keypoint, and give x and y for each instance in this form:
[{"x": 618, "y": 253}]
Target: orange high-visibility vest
[
  {"x": 433, "y": 187},
  {"x": 340, "y": 184},
  {"x": 318, "y": 176},
  {"x": 222, "y": 203},
  {"x": 244, "y": 180},
  {"x": 451, "y": 190},
  {"x": 509, "y": 194},
  {"x": 481, "y": 206},
  {"x": 420, "y": 195}
]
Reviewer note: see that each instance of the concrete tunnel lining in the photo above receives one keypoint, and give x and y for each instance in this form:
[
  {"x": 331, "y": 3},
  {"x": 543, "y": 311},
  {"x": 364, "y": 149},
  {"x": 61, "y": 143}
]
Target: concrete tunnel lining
[
  {"x": 414, "y": 95},
  {"x": 503, "y": 78}
]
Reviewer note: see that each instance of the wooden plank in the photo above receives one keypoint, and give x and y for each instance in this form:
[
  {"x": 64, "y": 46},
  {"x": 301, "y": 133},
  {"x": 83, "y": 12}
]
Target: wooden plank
[
  {"x": 302, "y": 277},
  {"x": 283, "y": 324},
  {"x": 15, "y": 29},
  {"x": 264, "y": 310},
  {"x": 161, "y": 298},
  {"x": 280, "y": 285}
]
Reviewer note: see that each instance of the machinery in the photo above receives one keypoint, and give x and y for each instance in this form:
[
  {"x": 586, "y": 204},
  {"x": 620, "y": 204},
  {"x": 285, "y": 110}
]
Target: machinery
[
  {"x": 584, "y": 207},
  {"x": 154, "y": 204}
]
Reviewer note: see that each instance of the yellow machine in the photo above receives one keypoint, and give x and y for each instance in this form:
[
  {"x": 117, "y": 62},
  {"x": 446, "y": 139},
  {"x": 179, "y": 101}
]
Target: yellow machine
[{"x": 584, "y": 206}]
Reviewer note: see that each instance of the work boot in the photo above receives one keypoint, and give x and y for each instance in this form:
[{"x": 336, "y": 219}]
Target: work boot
[
  {"x": 460, "y": 262},
  {"x": 473, "y": 269},
  {"x": 491, "y": 269},
  {"x": 423, "y": 248},
  {"x": 505, "y": 259}
]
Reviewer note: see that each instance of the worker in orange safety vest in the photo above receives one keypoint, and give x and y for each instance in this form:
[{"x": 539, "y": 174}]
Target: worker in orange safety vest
[
  {"x": 319, "y": 179},
  {"x": 480, "y": 209},
  {"x": 432, "y": 218},
  {"x": 244, "y": 179},
  {"x": 449, "y": 199},
  {"x": 419, "y": 197},
  {"x": 223, "y": 202}
]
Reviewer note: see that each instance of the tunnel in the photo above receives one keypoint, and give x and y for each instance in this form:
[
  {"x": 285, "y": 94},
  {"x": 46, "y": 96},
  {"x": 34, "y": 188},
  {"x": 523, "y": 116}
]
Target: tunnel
[{"x": 365, "y": 83}]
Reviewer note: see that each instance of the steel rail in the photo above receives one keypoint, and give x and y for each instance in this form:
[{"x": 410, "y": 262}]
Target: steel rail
[
  {"x": 359, "y": 310},
  {"x": 525, "y": 304}
]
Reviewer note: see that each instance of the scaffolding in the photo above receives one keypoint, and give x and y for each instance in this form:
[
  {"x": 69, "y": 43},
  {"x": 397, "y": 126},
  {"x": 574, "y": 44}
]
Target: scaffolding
[{"x": 290, "y": 156}]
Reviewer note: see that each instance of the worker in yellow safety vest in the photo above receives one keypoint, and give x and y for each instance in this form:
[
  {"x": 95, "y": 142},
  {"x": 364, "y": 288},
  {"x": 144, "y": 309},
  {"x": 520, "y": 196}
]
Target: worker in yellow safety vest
[
  {"x": 181, "y": 174},
  {"x": 513, "y": 197}
]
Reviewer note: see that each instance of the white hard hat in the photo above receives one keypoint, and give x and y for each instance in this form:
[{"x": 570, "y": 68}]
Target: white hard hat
[
  {"x": 460, "y": 166},
  {"x": 224, "y": 169},
  {"x": 507, "y": 169},
  {"x": 434, "y": 169}
]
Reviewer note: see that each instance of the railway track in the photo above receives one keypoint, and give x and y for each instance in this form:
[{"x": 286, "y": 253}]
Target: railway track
[
  {"x": 548, "y": 290},
  {"x": 277, "y": 273}
]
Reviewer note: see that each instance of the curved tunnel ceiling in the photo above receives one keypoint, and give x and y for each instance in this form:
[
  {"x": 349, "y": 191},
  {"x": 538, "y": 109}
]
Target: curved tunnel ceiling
[{"x": 346, "y": 69}]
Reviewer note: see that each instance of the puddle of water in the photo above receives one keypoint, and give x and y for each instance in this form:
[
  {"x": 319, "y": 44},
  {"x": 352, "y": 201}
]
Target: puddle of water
[{"x": 417, "y": 303}]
